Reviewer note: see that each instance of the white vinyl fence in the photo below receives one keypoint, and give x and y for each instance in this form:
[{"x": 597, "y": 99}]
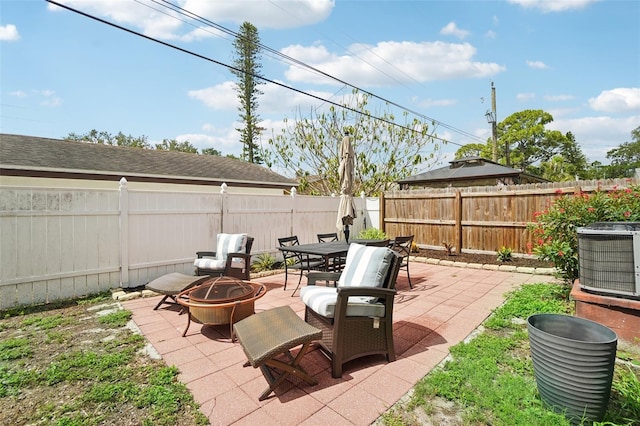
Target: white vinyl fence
[{"x": 63, "y": 243}]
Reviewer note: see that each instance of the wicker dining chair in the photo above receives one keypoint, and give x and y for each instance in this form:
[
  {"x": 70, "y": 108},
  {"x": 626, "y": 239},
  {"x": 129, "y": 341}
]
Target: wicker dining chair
[{"x": 356, "y": 317}]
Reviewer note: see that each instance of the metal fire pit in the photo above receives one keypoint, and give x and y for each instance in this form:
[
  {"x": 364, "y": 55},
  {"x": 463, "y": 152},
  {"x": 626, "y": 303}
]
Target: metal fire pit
[{"x": 220, "y": 301}]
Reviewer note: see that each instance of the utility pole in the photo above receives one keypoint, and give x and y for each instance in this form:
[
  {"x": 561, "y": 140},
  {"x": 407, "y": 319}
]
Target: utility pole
[
  {"x": 494, "y": 125},
  {"x": 492, "y": 119}
]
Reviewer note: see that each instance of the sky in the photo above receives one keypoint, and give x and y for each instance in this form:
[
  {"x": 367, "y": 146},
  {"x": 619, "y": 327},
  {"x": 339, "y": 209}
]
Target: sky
[{"x": 579, "y": 60}]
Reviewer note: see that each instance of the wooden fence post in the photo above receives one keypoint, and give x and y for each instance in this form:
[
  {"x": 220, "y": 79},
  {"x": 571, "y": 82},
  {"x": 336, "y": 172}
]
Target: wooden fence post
[
  {"x": 382, "y": 213},
  {"x": 457, "y": 208}
]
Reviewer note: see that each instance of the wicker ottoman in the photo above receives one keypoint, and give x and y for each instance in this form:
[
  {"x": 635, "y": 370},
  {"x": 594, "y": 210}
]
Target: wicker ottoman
[{"x": 266, "y": 335}]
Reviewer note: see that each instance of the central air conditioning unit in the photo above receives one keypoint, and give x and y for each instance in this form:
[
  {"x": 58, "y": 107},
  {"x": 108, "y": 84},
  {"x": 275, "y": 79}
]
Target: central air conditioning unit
[{"x": 609, "y": 258}]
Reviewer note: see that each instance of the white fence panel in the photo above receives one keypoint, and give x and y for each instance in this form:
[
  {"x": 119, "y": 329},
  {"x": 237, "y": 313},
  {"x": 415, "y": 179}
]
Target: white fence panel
[
  {"x": 64, "y": 243},
  {"x": 264, "y": 217},
  {"x": 53, "y": 244},
  {"x": 165, "y": 231}
]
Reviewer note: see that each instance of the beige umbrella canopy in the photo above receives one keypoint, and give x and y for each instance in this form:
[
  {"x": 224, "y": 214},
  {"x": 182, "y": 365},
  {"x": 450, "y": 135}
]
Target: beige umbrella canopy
[{"x": 346, "y": 210}]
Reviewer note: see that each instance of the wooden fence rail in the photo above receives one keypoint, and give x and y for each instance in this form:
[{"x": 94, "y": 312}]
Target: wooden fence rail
[{"x": 478, "y": 218}]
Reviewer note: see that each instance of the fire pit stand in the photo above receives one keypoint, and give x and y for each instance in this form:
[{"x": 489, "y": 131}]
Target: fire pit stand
[{"x": 221, "y": 301}]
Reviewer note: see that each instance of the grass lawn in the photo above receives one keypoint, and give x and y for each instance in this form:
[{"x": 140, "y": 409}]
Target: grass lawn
[
  {"x": 77, "y": 363},
  {"x": 489, "y": 379}
]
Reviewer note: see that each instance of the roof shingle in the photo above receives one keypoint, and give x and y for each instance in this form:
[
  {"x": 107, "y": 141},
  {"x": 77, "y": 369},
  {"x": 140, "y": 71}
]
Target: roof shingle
[{"x": 18, "y": 152}]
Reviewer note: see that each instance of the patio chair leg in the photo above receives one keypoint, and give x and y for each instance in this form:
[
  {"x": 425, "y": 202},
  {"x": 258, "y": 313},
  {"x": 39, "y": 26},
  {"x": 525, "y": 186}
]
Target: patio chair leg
[{"x": 298, "y": 286}]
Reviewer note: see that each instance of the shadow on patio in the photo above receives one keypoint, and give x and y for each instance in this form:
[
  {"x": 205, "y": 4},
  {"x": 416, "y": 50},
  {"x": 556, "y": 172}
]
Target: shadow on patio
[{"x": 444, "y": 307}]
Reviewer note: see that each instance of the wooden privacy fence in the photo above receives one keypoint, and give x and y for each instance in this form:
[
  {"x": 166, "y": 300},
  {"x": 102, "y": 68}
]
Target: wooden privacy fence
[
  {"x": 477, "y": 218},
  {"x": 64, "y": 243}
]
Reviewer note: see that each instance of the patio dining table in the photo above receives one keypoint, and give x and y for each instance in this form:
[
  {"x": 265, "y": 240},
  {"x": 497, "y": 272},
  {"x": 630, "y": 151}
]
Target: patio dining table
[{"x": 327, "y": 251}]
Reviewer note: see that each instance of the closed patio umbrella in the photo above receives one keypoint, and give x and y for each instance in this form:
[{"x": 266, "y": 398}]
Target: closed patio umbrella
[{"x": 346, "y": 210}]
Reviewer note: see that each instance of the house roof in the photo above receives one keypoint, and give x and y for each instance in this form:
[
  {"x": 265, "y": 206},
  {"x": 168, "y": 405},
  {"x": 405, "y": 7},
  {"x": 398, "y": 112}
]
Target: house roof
[
  {"x": 44, "y": 157},
  {"x": 468, "y": 168}
]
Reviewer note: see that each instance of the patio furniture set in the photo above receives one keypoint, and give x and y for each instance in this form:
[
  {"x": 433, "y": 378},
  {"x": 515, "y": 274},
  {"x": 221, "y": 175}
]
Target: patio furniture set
[{"x": 347, "y": 318}]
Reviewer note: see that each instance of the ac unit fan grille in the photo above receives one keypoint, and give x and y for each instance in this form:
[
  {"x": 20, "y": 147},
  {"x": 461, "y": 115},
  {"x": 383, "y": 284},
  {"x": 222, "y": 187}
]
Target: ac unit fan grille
[{"x": 606, "y": 262}]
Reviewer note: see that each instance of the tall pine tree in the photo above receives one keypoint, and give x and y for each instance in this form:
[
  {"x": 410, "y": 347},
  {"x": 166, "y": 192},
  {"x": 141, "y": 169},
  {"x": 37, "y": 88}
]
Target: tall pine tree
[{"x": 247, "y": 64}]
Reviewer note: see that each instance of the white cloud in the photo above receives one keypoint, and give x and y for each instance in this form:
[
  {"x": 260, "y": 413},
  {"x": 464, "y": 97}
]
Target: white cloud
[
  {"x": 18, "y": 94},
  {"x": 155, "y": 21},
  {"x": 275, "y": 99},
  {"x": 9, "y": 32},
  {"x": 558, "y": 98},
  {"x": 391, "y": 63},
  {"x": 617, "y": 100},
  {"x": 537, "y": 65},
  {"x": 524, "y": 97},
  {"x": 51, "y": 102},
  {"x": 427, "y": 103},
  {"x": 562, "y": 112},
  {"x": 553, "y": 5},
  {"x": 597, "y": 135},
  {"x": 490, "y": 34},
  {"x": 452, "y": 29},
  {"x": 219, "y": 97},
  {"x": 224, "y": 140}
]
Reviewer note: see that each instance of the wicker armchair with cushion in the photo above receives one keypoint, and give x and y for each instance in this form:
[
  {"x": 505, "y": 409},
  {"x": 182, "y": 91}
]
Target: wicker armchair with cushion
[
  {"x": 233, "y": 255},
  {"x": 356, "y": 317}
]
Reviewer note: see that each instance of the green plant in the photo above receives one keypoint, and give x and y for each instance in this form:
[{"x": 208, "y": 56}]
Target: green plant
[
  {"x": 490, "y": 379},
  {"x": 414, "y": 247},
  {"x": 116, "y": 319},
  {"x": 372, "y": 234},
  {"x": 504, "y": 254},
  {"x": 264, "y": 262},
  {"x": 555, "y": 229}
]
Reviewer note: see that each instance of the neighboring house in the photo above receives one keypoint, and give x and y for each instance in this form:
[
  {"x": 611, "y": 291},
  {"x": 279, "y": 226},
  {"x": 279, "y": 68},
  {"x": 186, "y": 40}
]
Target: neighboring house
[
  {"x": 469, "y": 171},
  {"x": 36, "y": 161}
]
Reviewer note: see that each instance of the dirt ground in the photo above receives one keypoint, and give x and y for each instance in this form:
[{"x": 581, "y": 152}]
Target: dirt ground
[{"x": 489, "y": 259}]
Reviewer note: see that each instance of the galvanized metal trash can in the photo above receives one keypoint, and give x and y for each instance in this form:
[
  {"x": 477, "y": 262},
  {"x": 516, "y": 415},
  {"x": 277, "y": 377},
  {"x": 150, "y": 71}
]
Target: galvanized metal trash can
[{"x": 573, "y": 362}]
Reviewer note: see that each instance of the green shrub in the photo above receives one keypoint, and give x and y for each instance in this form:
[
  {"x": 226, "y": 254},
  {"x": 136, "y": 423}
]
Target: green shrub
[
  {"x": 264, "y": 262},
  {"x": 555, "y": 229},
  {"x": 504, "y": 254},
  {"x": 372, "y": 234}
]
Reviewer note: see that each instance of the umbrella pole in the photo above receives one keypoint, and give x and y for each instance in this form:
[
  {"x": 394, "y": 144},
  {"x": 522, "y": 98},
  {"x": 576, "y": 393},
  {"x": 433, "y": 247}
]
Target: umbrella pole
[{"x": 346, "y": 232}]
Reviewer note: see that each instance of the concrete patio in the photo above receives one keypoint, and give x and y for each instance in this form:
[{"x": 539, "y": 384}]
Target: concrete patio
[{"x": 444, "y": 307}]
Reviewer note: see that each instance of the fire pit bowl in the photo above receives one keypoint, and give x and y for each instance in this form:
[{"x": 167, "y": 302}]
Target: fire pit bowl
[{"x": 220, "y": 301}]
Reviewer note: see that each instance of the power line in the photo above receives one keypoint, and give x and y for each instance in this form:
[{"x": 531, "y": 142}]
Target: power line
[
  {"x": 230, "y": 67},
  {"x": 203, "y": 20}
]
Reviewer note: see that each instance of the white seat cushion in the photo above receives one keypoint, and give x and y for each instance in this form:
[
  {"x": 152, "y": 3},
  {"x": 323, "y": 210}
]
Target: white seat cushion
[
  {"x": 322, "y": 300},
  {"x": 217, "y": 265},
  {"x": 366, "y": 266}
]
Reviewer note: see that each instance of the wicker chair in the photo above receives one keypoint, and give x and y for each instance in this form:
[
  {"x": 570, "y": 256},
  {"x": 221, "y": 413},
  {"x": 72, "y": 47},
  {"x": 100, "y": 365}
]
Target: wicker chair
[
  {"x": 402, "y": 246},
  {"x": 228, "y": 258},
  {"x": 356, "y": 318}
]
